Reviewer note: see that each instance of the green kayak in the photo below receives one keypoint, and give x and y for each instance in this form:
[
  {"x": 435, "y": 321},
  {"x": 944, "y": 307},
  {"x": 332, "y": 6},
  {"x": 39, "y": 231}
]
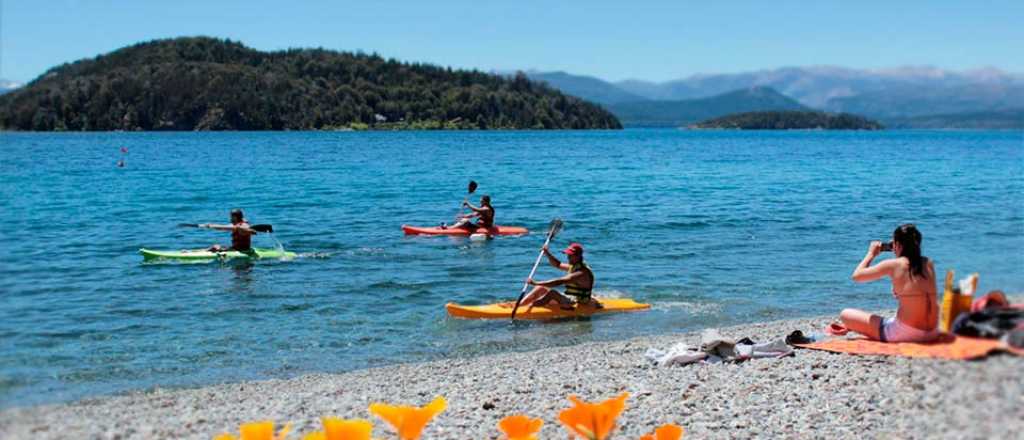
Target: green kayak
[{"x": 203, "y": 254}]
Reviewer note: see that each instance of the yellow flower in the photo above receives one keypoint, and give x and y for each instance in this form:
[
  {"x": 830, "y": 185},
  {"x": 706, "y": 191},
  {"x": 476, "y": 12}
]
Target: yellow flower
[
  {"x": 520, "y": 427},
  {"x": 338, "y": 429},
  {"x": 667, "y": 431},
  {"x": 409, "y": 421},
  {"x": 593, "y": 421},
  {"x": 257, "y": 431}
]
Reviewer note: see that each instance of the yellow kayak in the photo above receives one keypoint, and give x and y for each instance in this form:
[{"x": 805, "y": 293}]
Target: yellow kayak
[{"x": 504, "y": 310}]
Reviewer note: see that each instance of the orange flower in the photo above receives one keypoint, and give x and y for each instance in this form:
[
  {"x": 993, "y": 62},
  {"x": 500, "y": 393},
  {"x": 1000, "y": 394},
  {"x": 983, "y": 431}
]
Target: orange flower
[
  {"x": 409, "y": 421},
  {"x": 520, "y": 427},
  {"x": 593, "y": 421},
  {"x": 667, "y": 431},
  {"x": 338, "y": 429},
  {"x": 257, "y": 431}
]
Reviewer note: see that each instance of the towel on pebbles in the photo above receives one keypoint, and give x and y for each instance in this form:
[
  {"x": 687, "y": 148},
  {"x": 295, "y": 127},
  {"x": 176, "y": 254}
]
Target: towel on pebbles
[{"x": 714, "y": 348}]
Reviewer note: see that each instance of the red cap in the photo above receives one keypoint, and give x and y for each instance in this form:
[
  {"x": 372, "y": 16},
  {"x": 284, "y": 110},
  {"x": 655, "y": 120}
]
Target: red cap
[{"x": 574, "y": 249}]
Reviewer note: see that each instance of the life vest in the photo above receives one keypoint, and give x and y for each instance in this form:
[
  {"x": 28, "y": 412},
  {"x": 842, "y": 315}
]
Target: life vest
[{"x": 573, "y": 289}]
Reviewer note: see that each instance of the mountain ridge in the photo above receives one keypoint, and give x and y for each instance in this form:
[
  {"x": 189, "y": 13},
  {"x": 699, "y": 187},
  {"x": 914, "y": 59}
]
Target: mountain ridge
[
  {"x": 684, "y": 112},
  {"x": 834, "y": 88},
  {"x": 905, "y": 94}
]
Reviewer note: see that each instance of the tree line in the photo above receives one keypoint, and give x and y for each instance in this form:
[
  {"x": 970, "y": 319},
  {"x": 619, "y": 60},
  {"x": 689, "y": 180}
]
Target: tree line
[
  {"x": 201, "y": 83},
  {"x": 790, "y": 120}
]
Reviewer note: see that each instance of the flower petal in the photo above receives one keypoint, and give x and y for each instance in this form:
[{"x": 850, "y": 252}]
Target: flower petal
[
  {"x": 338, "y": 429},
  {"x": 409, "y": 421},
  {"x": 263, "y": 430},
  {"x": 607, "y": 412},
  {"x": 520, "y": 427},
  {"x": 669, "y": 431},
  {"x": 392, "y": 414},
  {"x": 593, "y": 421},
  {"x": 418, "y": 419}
]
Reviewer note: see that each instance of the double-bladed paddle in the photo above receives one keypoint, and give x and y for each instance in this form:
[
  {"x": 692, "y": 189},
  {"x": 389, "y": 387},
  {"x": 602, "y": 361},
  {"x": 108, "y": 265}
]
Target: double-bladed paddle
[
  {"x": 257, "y": 228},
  {"x": 553, "y": 229}
]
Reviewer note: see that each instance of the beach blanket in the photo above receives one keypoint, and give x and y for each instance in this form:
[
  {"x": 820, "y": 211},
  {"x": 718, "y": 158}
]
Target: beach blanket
[{"x": 946, "y": 347}]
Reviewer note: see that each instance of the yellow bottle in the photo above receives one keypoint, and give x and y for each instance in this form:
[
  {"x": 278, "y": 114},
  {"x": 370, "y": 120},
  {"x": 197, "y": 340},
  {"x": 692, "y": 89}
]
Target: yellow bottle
[{"x": 948, "y": 302}]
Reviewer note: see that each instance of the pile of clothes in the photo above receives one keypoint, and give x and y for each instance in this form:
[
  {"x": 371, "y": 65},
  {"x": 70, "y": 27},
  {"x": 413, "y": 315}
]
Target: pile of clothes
[
  {"x": 993, "y": 317},
  {"x": 714, "y": 348}
]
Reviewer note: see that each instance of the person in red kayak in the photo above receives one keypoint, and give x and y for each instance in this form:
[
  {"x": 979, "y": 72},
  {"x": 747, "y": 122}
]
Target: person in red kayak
[
  {"x": 484, "y": 214},
  {"x": 241, "y": 233},
  {"x": 578, "y": 282}
]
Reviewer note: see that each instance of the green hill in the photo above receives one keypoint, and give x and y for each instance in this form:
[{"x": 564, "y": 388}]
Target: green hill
[
  {"x": 790, "y": 120},
  {"x": 201, "y": 83},
  {"x": 676, "y": 113}
]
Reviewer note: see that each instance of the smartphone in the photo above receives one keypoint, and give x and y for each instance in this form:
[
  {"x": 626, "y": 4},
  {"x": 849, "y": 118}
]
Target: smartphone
[{"x": 886, "y": 246}]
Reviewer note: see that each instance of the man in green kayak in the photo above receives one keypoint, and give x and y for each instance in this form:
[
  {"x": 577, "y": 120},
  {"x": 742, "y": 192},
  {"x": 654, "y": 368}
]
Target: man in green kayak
[
  {"x": 484, "y": 214},
  {"x": 578, "y": 282},
  {"x": 241, "y": 233}
]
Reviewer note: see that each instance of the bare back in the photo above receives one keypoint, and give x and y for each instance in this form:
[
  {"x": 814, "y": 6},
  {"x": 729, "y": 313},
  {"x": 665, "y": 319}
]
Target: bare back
[{"x": 916, "y": 295}]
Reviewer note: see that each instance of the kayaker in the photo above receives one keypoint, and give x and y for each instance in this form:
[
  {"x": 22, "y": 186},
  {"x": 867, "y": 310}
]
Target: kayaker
[
  {"x": 241, "y": 233},
  {"x": 484, "y": 214},
  {"x": 578, "y": 282},
  {"x": 913, "y": 285}
]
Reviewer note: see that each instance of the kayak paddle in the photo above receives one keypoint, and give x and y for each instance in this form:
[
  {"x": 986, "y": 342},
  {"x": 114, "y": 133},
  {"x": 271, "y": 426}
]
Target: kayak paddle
[
  {"x": 472, "y": 188},
  {"x": 257, "y": 228},
  {"x": 553, "y": 228}
]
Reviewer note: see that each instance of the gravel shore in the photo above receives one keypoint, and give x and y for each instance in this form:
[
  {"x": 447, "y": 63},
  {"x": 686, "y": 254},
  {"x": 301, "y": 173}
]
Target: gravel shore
[{"x": 813, "y": 394}]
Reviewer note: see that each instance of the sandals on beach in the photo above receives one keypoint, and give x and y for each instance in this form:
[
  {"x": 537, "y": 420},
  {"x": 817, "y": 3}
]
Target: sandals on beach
[
  {"x": 798, "y": 337},
  {"x": 836, "y": 329}
]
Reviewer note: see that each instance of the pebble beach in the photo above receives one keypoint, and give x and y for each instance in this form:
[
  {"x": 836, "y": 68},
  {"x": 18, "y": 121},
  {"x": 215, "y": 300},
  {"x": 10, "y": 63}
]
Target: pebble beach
[{"x": 813, "y": 394}]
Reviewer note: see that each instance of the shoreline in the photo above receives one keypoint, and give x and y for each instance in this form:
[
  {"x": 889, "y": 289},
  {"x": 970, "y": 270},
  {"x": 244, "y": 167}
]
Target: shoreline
[{"x": 813, "y": 393}]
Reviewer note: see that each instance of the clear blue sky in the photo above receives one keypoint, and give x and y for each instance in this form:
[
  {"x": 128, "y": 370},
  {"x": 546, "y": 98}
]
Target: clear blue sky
[{"x": 653, "y": 40}]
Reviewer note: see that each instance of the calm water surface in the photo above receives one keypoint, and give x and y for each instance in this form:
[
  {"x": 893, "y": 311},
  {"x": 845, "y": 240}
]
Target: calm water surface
[{"x": 712, "y": 228}]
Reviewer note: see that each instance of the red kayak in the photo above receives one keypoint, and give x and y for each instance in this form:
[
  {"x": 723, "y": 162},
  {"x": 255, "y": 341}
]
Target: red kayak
[{"x": 465, "y": 232}]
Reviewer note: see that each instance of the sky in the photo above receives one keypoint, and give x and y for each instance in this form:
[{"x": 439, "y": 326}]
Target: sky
[{"x": 612, "y": 40}]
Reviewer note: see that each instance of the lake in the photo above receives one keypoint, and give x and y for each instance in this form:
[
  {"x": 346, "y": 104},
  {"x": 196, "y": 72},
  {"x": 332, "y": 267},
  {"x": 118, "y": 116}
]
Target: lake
[{"x": 713, "y": 228}]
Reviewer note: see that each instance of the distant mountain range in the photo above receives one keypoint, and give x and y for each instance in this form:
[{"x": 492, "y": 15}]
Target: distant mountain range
[
  {"x": 908, "y": 95},
  {"x": 683, "y": 112}
]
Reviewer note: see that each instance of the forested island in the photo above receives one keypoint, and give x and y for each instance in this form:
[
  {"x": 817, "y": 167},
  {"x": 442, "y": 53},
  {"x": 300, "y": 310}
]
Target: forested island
[
  {"x": 789, "y": 120},
  {"x": 200, "y": 83}
]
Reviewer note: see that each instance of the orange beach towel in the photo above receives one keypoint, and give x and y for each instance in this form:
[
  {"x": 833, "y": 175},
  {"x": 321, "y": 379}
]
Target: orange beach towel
[{"x": 946, "y": 347}]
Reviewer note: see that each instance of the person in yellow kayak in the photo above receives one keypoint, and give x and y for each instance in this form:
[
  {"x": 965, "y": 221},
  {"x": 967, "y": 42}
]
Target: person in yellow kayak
[
  {"x": 484, "y": 214},
  {"x": 241, "y": 233},
  {"x": 578, "y": 282}
]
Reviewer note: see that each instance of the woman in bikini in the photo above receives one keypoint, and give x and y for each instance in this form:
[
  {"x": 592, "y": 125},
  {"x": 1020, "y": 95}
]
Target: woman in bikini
[{"x": 913, "y": 285}]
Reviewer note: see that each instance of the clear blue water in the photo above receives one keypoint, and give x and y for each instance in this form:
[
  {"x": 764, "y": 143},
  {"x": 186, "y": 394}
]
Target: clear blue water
[{"x": 712, "y": 228}]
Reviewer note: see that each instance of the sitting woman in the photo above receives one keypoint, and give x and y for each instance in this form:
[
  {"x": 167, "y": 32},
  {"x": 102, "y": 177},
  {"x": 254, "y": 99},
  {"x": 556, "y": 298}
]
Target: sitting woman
[{"x": 913, "y": 285}]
